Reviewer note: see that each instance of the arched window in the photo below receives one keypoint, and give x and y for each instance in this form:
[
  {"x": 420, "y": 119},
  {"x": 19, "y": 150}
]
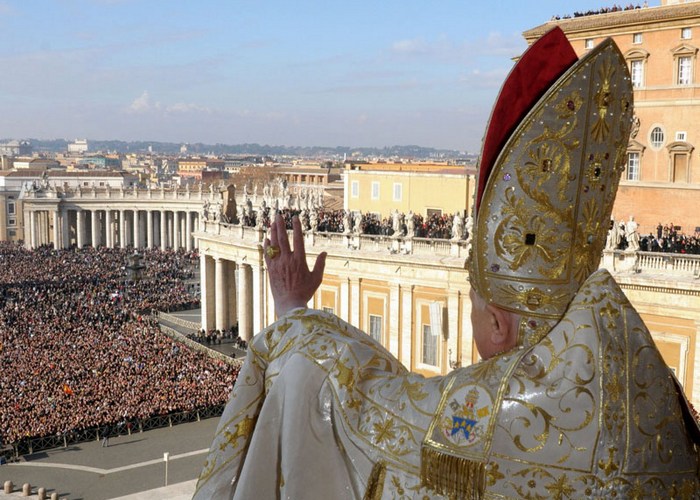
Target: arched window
[{"x": 656, "y": 137}]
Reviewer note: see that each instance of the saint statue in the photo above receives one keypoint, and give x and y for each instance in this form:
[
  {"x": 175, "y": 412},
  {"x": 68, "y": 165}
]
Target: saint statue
[
  {"x": 572, "y": 399},
  {"x": 632, "y": 235},
  {"x": 457, "y": 227}
]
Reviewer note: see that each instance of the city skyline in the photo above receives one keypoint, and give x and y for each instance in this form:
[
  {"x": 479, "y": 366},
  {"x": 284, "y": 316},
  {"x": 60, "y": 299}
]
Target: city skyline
[{"x": 277, "y": 73}]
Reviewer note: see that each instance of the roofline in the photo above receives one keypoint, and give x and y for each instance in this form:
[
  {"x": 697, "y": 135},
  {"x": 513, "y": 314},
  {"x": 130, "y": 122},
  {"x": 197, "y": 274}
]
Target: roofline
[{"x": 620, "y": 19}]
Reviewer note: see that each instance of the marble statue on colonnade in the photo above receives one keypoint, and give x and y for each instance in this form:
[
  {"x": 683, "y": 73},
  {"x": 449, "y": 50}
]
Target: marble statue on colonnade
[
  {"x": 632, "y": 235},
  {"x": 457, "y": 227}
]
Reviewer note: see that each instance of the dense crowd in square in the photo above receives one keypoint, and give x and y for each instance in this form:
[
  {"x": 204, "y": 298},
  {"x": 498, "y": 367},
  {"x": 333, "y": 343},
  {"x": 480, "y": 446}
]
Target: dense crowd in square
[{"x": 79, "y": 348}]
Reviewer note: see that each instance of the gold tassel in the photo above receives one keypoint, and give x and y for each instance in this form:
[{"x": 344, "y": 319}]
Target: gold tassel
[
  {"x": 375, "y": 485},
  {"x": 452, "y": 476}
]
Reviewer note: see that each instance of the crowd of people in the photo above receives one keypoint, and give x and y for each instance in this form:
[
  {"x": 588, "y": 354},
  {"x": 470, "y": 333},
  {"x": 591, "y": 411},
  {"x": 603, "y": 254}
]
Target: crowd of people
[
  {"x": 216, "y": 337},
  {"x": 79, "y": 348},
  {"x": 669, "y": 238},
  {"x": 602, "y": 10},
  {"x": 436, "y": 225}
]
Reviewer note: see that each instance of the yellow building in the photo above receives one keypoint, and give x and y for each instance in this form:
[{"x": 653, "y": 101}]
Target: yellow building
[
  {"x": 662, "y": 181},
  {"x": 424, "y": 189},
  {"x": 193, "y": 167}
]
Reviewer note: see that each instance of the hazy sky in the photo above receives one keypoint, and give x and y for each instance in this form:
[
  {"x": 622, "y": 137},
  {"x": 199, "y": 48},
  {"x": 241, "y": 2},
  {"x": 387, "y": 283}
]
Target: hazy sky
[{"x": 296, "y": 72}]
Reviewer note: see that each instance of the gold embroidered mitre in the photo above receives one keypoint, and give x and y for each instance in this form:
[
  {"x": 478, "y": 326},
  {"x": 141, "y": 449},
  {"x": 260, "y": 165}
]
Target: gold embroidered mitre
[{"x": 545, "y": 195}]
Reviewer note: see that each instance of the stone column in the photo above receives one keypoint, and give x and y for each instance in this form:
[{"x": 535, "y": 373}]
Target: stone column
[
  {"x": 221, "y": 286},
  {"x": 122, "y": 228},
  {"x": 453, "y": 333},
  {"x": 466, "y": 340},
  {"x": 57, "y": 239},
  {"x": 65, "y": 227},
  {"x": 79, "y": 225},
  {"x": 149, "y": 229},
  {"x": 163, "y": 229},
  {"x": 176, "y": 230},
  {"x": 231, "y": 293},
  {"x": 32, "y": 229},
  {"x": 258, "y": 297},
  {"x": 355, "y": 302},
  {"x": 406, "y": 326},
  {"x": 345, "y": 300},
  {"x": 245, "y": 302},
  {"x": 109, "y": 232},
  {"x": 93, "y": 228},
  {"x": 394, "y": 318},
  {"x": 188, "y": 231},
  {"x": 207, "y": 277},
  {"x": 137, "y": 229}
]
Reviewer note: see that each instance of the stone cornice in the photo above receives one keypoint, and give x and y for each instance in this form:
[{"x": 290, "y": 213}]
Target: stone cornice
[
  {"x": 618, "y": 19},
  {"x": 637, "y": 287}
]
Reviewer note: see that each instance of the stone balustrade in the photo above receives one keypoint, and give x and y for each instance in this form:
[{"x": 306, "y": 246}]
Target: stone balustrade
[
  {"x": 322, "y": 241},
  {"x": 675, "y": 263}
]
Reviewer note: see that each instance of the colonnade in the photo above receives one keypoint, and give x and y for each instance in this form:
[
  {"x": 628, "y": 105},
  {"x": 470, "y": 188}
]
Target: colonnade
[
  {"x": 228, "y": 288},
  {"x": 112, "y": 228}
]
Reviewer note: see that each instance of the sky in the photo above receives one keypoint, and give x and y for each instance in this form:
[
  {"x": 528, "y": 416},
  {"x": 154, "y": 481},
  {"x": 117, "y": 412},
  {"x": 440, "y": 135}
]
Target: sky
[{"x": 355, "y": 73}]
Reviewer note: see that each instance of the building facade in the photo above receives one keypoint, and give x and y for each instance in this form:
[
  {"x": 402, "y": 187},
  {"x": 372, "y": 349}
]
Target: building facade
[
  {"x": 423, "y": 189},
  {"x": 660, "y": 44},
  {"x": 412, "y": 294}
]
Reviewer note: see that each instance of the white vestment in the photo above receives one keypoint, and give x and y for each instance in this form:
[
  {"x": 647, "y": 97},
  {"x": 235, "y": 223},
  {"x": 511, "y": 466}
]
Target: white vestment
[{"x": 321, "y": 411}]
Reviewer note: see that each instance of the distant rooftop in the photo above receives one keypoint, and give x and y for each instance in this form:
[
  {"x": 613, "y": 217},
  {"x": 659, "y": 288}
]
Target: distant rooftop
[
  {"x": 619, "y": 19},
  {"x": 432, "y": 168}
]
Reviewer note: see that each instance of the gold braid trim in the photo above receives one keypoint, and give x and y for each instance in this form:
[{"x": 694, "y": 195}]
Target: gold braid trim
[
  {"x": 452, "y": 476},
  {"x": 375, "y": 485}
]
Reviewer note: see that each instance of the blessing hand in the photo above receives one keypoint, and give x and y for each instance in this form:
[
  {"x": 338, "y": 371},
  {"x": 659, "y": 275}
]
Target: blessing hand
[{"x": 291, "y": 282}]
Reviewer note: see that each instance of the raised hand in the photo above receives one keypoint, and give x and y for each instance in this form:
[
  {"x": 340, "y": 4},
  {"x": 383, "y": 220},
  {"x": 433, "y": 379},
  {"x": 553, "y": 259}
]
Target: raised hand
[{"x": 291, "y": 282}]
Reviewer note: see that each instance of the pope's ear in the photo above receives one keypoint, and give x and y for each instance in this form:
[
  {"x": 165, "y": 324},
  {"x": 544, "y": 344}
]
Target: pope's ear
[{"x": 500, "y": 324}]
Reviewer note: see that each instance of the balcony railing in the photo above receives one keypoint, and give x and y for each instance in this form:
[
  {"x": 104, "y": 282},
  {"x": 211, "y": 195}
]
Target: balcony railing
[
  {"x": 325, "y": 241},
  {"x": 674, "y": 263}
]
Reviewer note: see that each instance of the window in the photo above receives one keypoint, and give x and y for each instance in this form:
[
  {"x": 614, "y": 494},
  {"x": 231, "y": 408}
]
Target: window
[
  {"x": 656, "y": 138},
  {"x": 355, "y": 189},
  {"x": 398, "y": 191},
  {"x": 637, "y": 38},
  {"x": 588, "y": 44},
  {"x": 686, "y": 33},
  {"x": 429, "y": 354},
  {"x": 11, "y": 208},
  {"x": 637, "y": 73},
  {"x": 375, "y": 190},
  {"x": 329, "y": 310},
  {"x": 375, "y": 327},
  {"x": 681, "y": 136},
  {"x": 11, "y": 222},
  {"x": 684, "y": 70},
  {"x": 633, "y": 166}
]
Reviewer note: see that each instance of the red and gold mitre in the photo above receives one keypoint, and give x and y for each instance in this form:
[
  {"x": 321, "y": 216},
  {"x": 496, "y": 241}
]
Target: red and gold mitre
[{"x": 550, "y": 165}]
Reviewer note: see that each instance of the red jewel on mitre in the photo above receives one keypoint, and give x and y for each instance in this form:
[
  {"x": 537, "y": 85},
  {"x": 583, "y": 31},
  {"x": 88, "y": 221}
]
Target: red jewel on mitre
[{"x": 536, "y": 70}]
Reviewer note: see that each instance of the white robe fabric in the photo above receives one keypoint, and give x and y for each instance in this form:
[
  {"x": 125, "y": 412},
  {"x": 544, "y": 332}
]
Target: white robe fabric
[{"x": 322, "y": 411}]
